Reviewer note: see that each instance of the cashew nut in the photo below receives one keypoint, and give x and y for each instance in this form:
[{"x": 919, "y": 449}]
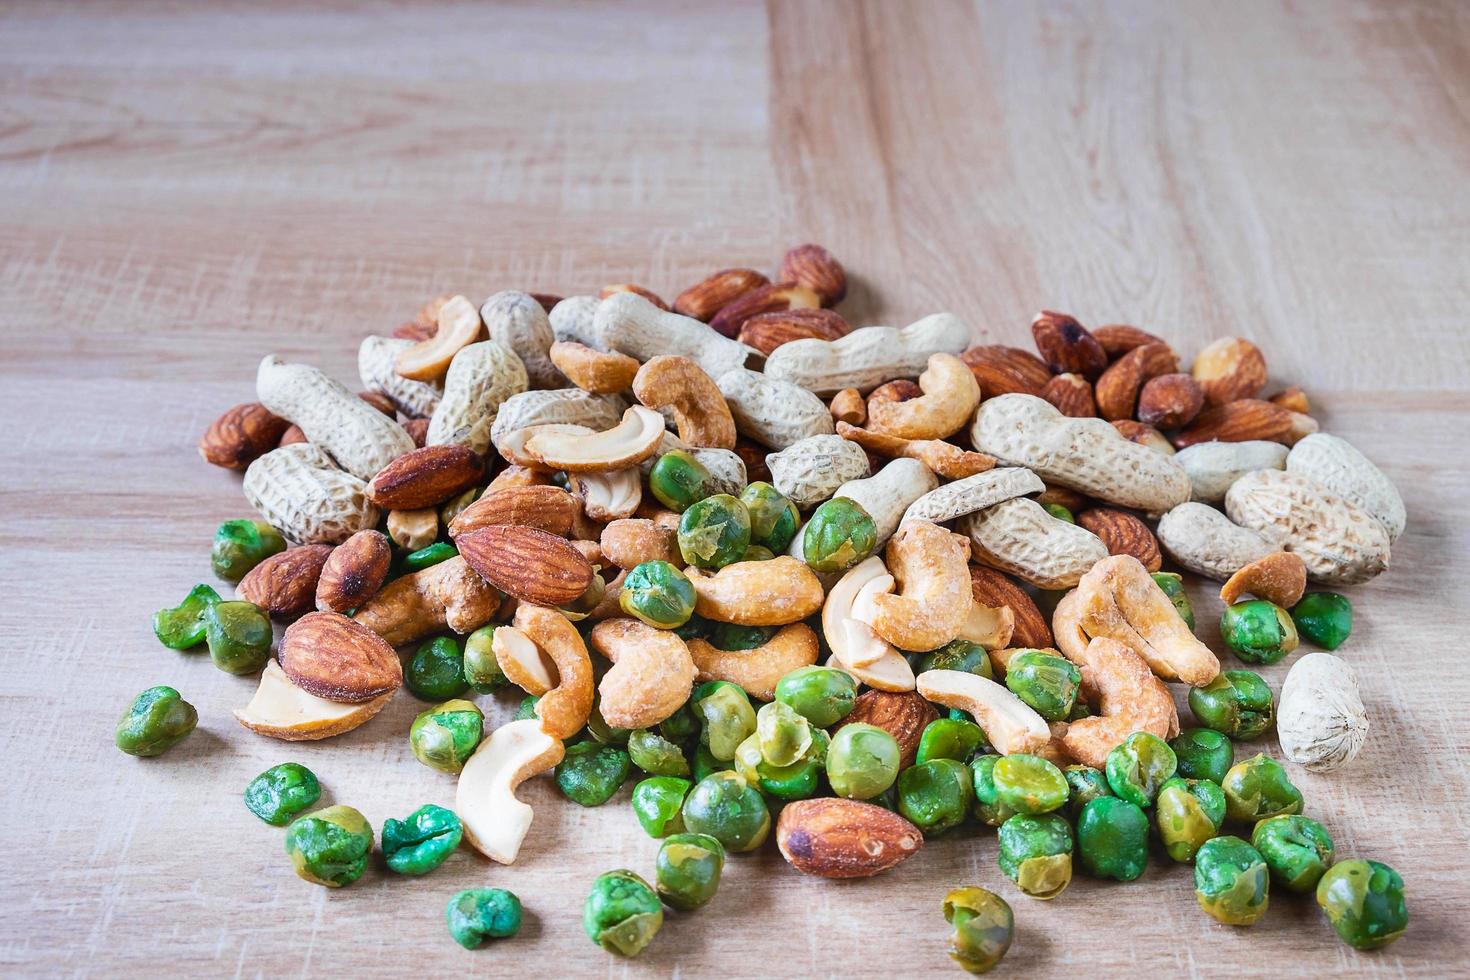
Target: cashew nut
[
  {"x": 560, "y": 405},
  {"x": 608, "y": 496},
  {"x": 281, "y": 709},
  {"x": 428, "y": 360},
  {"x": 519, "y": 321},
  {"x": 1280, "y": 577},
  {"x": 931, "y": 568},
  {"x": 810, "y": 471},
  {"x": 481, "y": 379},
  {"x": 950, "y": 396},
  {"x": 866, "y": 358},
  {"x": 774, "y": 413},
  {"x": 1119, "y": 600},
  {"x": 1020, "y": 537},
  {"x": 1129, "y": 698},
  {"x": 626, "y": 444},
  {"x": 1206, "y": 542},
  {"x": 758, "y": 593},
  {"x": 990, "y": 626},
  {"x": 564, "y": 709},
  {"x": 521, "y": 661},
  {"x": 447, "y": 595},
  {"x": 855, "y": 647},
  {"x": 600, "y": 372},
  {"x": 973, "y": 493},
  {"x": 651, "y": 675},
  {"x": 1010, "y": 724},
  {"x": 849, "y": 406},
  {"x": 375, "y": 358},
  {"x": 700, "y": 413},
  {"x": 757, "y": 670},
  {"x": 944, "y": 458},
  {"x": 633, "y": 541},
  {"x": 495, "y": 822},
  {"x": 628, "y": 323}
]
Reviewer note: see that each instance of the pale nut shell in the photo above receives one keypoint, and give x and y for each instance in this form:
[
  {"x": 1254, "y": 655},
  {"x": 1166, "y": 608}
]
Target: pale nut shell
[
  {"x": 521, "y": 661},
  {"x": 651, "y": 675},
  {"x": 564, "y": 709},
  {"x": 572, "y": 321},
  {"x": 1337, "y": 466},
  {"x": 375, "y": 359},
  {"x": 280, "y": 709},
  {"x": 1204, "y": 541},
  {"x": 1341, "y": 543},
  {"x": 887, "y": 494},
  {"x": 1010, "y": 724},
  {"x": 482, "y": 377},
  {"x": 300, "y": 492},
  {"x": 1127, "y": 695},
  {"x": 630, "y": 324},
  {"x": 1118, "y": 599},
  {"x": 974, "y": 493},
  {"x": 1280, "y": 577},
  {"x": 598, "y": 372},
  {"x": 1213, "y": 466},
  {"x": 700, "y": 414},
  {"x": 756, "y": 671},
  {"x": 931, "y": 568},
  {"x": 519, "y": 321},
  {"x": 626, "y": 444},
  {"x": 810, "y": 471},
  {"x": 565, "y": 406},
  {"x": 1320, "y": 718},
  {"x": 867, "y": 358},
  {"x": 775, "y": 592},
  {"x": 1020, "y": 537},
  {"x": 495, "y": 822},
  {"x": 950, "y": 397},
  {"x": 774, "y": 413}
]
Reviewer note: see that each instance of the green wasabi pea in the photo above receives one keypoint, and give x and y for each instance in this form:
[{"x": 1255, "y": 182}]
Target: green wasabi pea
[
  {"x": 1138, "y": 768},
  {"x": 839, "y": 535},
  {"x": 281, "y": 792},
  {"x": 726, "y": 807},
  {"x": 821, "y": 695},
  {"x": 422, "y": 841},
  {"x": 727, "y": 716},
  {"x": 795, "y": 781},
  {"x": 435, "y": 672},
  {"x": 1364, "y": 902},
  {"x": 714, "y": 532},
  {"x": 478, "y": 914},
  {"x": 989, "y": 809},
  {"x": 182, "y": 626},
  {"x": 679, "y": 481},
  {"x": 937, "y": 795},
  {"x": 1237, "y": 703},
  {"x": 452, "y": 507},
  {"x": 1203, "y": 753},
  {"x": 156, "y": 721},
  {"x": 1060, "y": 513},
  {"x": 961, "y": 655},
  {"x": 1036, "y": 853},
  {"x": 1258, "y": 631},
  {"x": 481, "y": 668},
  {"x": 1112, "y": 839},
  {"x": 1259, "y": 788},
  {"x": 773, "y": 517},
  {"x": 687, "y": 870},
  {"x": 426, "y": 557},
  {"x": 658, "y": 803},
  {"x": 1325, "y": 618},
  {"x": 783, "y": 735},
  {"x": 526, "y": 709},
  {"x": 1084, "y": 784},
  {"x": 330, "y": 846},
  {"x": 1029, "y": 784},
  {"x": 681, "y": 726},
  {"x": 239, "y": 636},
  {"x": 1172, "y": 584},
  {"x": 241, "y": 545},
  {"x": 659, "y": 594},
  {"x": 1045, "y": 681},
  {"x": 1297, "y": 849},
  {"x": 862, "y": 761},
  {"x": 1231, "y": 882},
  {"x": 983, "y": 928},
  {"x": 703, "y": 764},
  {"x": 1187, "y": 813},
  {"x": 622, "y": 914},
  {"x": 591, "y": 772},
  {"x": 600, "y": 730},
  {"x": 758, "y": 552},
  {"x": 949, "y": 738},
  {"x": 445, "y": 736},
  {"x": 730, "y": 636},
  {"x": 655, "y": 754}
]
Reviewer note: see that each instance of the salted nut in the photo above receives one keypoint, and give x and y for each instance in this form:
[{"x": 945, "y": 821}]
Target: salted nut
[
  {"x": 1010, "y": 724},
  {"x": 679, "y": 384},
  {"x": 757, "y": 670},
  {"x": 1128, "y": 697},
  {"x": 495, "y": 822},
  {"x": 449, "y": 595},
  {"x": 651, "y": 675},
  {"x": 608, "y": 496},
  {"x": 855, "y": 647},
  {"x": 944, "y": 458},
  {"x": 628, "y": 443},
  {"x": 282, "y": 710},
  {"x": 930, "y": 567},
  {"x": 564, "y": 709},
  {"x": 949, "y": 399},
  {"x": 776, "y": 592},
  {"x": 521, "y": 661},
  {"x": 1280, "y": 578},
  {"x": 599, "y": 372},
  {"x": 428, "y": 360}
]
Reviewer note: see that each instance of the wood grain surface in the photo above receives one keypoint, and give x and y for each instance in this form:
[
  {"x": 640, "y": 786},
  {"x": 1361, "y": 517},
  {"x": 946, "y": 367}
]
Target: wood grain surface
[{"x": 186, "y": 187}]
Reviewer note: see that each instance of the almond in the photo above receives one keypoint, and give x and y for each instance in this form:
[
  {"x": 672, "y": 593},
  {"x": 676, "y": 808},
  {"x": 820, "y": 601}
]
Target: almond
[
  {"x": 414, "y": 331},
  {"x": 1292, "y": 399},
  {"x": 353, "y": 572},
  {"x": 1170, "y": 401},
  {"x": 1119, "y": 338},
  {"x": 1117, "y": 389},
  {"x": 237, "y": 437},
  {"x": 379, "y": 401},
  {"x": 291, "y": 436},
  {"x": 713, "y": 293},
  {"x": 1067, "y": 346},
  {"x": 1238, "y": 421},
  {"x": 990, "y": 587},
  {"x": 1144, "y": 435},
  {"x": 546, "y": 508},
  {"x": 1230, "y": 369},
  {"x": 425, "y": 477},
  {"x": 814, "y": 267},
  {"x": 1071, "y": 395},
  {"x": 767, "y": 331},
  {"x": 766, "y": 299},
  {"x": 1123, "y": 534},
  {"x": 527, "y": 563},
  {"x": 753, "y": 455},
  {"x": 333, "y": 657},
  {"x": 285, "y": 583},
  {"x": 548, "y": 301},
  {"x": 901, "y": 714},
  {"x": 418, "y": 431},
  {"x": 637, "y": 290},
  {"x": 1005, "y": 370},
  {"x": 833, "y": 837}
]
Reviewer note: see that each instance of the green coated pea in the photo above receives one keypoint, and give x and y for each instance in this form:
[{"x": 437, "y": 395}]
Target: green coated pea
[
  {"x": 659, "y": 594},
  {"x": 478, "y": 914},
  {"x": 773, "y": 517},
  {"x": 862, "y": 761},
  {"x": 983, "y": 928},
  {"x": 1297, "y": 849},
  {"x": 1236, "y": 703},
  {"x": 1084, "y": 784},
  {"x": 821, "y": 695},
  {"x": 961, "y": 655},
  {"x": 728, "y": 717},
  {"x": 1231, "y": 882},
  {"x": 703, "y": 764},
  {"x": 696, "y": 629},
  {"x": 241, "y": 545},
  {"x": 1060, "y": 513},
  {"x": 156, "y": 721},
  {"x": 687, "y": 870},
  {"x": 1036, "y": 853},
  {"x": 1187, "y": 813},
  {"x": 445, "y": 736},
  {"x": 1325, "y": 618},
  {"x": 681, "y": 726},
  {"x": 1258, "y": 631},
  {"x": 988, "y": 807},
  {"x": 481, "y": 668},
  {"x": 1203, "y": 753},
  {"x": 839, "y": 535},
  {"x": 436, "y": 671},
  {"x": 281, "y": 792},
  {"x": 330, "y": 846},
  {"x": 726, "y": 807},
  {"x": 714, "y": 532},
  {"x": 1259, "y": 788},
  {"x": 239, "y": 636},
  {"x": 1172, "y": 585},
  {"x": 655, "y": 754},
  {"x": 783, "y": 735},
  {"x": 427, "y": 557},
  {"x": 1112, "y": 838},
  {"x": 182, "y": 626},
  {"x": 1138, "y": 768},
  {"x": 1364, "y": 902},
  {"x": 679, "y": 481},
  {"x": 936, "y": 796},
  {"x": 797, "y": 781},
  {"x": 421, "y": 842},
  {"x": 1045, "y": 681},
  {"x": 658, "y": 803},
  {"x": 730, "y": 636},
  {"x": 622, "y": 914},
  {"x": 455, "y": 505},
  {"x": 758, "y": 552},
  {"x": 591, "y": 772},
  {"x": 600, "y": 730},
  {"x": 526, "y": 709},
  {"x": 949, "y": 738},
  {"x": 1028, "y": 784}
]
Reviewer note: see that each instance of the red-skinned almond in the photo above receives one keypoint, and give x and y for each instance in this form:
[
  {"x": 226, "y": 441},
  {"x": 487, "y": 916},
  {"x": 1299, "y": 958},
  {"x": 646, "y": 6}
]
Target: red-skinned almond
[
  {"x": 527, "y": 563},
  {"x": 549, "y": 508},
  {"x": 425, "y": 477},
  {"x": 354, "y": 572},
  {"x": 237, "y": 437},
  {"x": 333, "y": 657},
  {"x": 710, "y": 295},
  {"x": 285, "y": 583},
  {"x": 833, "y": 837},
  {"x": 814, "y": 267}
]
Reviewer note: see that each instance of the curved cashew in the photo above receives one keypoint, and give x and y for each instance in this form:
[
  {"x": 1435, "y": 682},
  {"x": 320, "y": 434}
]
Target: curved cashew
[
  {"x": 1280, "y": 578},
  {"x": 568, "y": 405},
  {"x": 855, "y": 647},
  {"x": 428, "y": 360},
  {"x": 608, "y": 496},
  {"x": 700, "y": 413},
  {"x": 628, "y": 443},
  {"x": 521, "y": 661},
  {"x": 600, "y": 372},
  {"x": 651, "y": 675},
  {"x": 989, "y": 626},
  {"x": 758, "y": 593},
  {"x": 756, "y": 671},
  {"x": 281, "y": 709},
  {"x": 630, "y": 542},
  {"x": 1118, "y": 599},
  {"x": 564, "y": 709},
  {"x": 931, "y": 566},
  {"x": 1009, "y": 723},
  {"x": 495, "y": 822},
  {"x": 974, "y": 493},
  {"x": 1129, "y": 699},
  {"x": 513, "y": 445},
  {"x": 950, "y": 397},
  {"x": 447, "y": 595},
  {"x": 519, "y": 321},
  {"x": 944, "y": 458}
]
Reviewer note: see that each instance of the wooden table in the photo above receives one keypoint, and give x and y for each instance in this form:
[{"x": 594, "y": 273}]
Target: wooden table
[{"x": 186, "y": 189}]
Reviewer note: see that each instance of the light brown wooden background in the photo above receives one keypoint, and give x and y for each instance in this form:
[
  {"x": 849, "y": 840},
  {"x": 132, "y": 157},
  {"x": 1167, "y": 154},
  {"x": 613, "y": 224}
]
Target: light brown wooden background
[{"x": 188, "y": 186}]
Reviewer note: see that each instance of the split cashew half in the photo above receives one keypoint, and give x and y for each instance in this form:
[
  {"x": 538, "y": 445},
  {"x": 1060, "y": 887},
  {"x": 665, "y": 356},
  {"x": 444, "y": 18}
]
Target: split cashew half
[
  {"x": 609, "y": 496},
  {"x": 564, "y": 709},
  {"x": 775, "y": 592},
  {"x": 651, "y": 675},
  {"x": 429, "y": 360},
  {"x": 521, "y": 661},
  {"x": 931, "y": 569},
  {"x": 1118, "y": 599},
  {"x": 944, "y": 458},
  {"x": 595, "y": 371},
  {"x": 680, "y": 385},
  {"x": 626, "y": 444},
  {"x": 1128, "y": 697},
  {"x": 1010, "y": 724},
  {"x": 950, "y": 397},
  {"x": 856, "y": 647},
  {"x": 757, "y": 670},
  {"x": 495, "y": 822}
]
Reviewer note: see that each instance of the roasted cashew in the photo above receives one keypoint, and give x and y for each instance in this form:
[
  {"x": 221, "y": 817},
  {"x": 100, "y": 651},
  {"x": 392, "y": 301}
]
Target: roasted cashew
[
  {"x": 449, "y": 594},
  {"x": 651, "y": 675},
  {"x": 931, "y": 569},
  {"x": 757, "y": 670},
  {"x": 564, "y": 709},
  {"x": 1010, "y": 724},
  {"x": 521, "y": 661},
  {"x": 631, "y": 542},
  {"x": 1118, "y": 599},
  {"x": 599, "y": 372},
  {"x": 495, "y": 822},
  {"x": 700, "y": 413},
  {"x": 855, "y": 647},
  {"x": 1280, "y": 577},
  {"x": 428, "y": 360},
  {"x": 626, "y": 444},
  {"x": 989, "y": 626},
  {"x": 608, "y": 496},
  {"x": 758, "y": 593},
  {"x": 950, "y": 397},
  {"x": 1128, "y": 697},
  {"x": 944, "y": 458}
]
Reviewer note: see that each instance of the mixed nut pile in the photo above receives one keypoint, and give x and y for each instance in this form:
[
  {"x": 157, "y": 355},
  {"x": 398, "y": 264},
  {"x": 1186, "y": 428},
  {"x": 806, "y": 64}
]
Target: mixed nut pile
[{"x": 720, "y": 496}]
